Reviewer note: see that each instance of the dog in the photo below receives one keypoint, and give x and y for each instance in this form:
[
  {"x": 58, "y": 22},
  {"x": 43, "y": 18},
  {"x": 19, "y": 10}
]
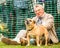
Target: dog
[{"x": 35, "y": 30}]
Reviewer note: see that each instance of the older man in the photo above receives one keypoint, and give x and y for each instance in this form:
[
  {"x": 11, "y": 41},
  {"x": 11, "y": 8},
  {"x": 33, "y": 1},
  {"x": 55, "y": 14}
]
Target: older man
[{"x": 47, "y": 20}]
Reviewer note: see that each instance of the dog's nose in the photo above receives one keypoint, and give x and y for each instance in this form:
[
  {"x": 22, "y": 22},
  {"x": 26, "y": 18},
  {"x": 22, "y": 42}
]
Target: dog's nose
[{"x": 27, "y": 22}]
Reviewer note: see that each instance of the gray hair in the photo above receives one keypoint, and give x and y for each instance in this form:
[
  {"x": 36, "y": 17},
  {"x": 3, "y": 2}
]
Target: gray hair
[{"x": 38, "y": 5}]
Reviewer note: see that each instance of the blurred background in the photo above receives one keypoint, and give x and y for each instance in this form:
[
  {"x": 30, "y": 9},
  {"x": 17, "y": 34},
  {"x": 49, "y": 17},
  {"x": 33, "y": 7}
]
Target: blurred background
[{"x": 14, "y": 12}]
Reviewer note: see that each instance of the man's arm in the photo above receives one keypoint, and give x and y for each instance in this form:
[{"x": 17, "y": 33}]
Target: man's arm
[{"x": 49, "y": 22}]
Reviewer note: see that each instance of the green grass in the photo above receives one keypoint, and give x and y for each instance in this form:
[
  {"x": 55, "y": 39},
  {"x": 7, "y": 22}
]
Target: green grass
[{"x": 2, "y": 45}]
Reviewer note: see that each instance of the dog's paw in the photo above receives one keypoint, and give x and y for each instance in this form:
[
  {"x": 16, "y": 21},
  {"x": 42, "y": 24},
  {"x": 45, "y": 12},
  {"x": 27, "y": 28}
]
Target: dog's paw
[
  {"x": 28, "y": 45},
  {"x": 45, "y": 44},
  {"x": 38, "y": 45}
]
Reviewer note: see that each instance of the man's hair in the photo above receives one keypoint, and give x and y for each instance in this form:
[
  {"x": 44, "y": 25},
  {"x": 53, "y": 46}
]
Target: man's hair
[{"x": 38, "y": 5}]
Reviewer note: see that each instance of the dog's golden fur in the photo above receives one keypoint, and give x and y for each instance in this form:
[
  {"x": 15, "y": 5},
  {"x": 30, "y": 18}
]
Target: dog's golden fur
[{"x": 35, "y": 30}]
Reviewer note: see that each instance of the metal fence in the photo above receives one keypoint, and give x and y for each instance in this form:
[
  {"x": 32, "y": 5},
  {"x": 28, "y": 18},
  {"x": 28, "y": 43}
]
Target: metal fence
[{"x": 14, "y": 15}]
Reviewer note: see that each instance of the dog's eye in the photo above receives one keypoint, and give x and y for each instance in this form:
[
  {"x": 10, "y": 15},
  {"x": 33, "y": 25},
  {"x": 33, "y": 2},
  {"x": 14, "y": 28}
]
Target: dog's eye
[{"x": 30, "y": 20}]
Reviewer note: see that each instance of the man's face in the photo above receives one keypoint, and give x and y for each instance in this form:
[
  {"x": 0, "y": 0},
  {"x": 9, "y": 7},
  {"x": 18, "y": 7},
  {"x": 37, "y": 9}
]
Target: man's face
[{"x": 39, "y": 11}]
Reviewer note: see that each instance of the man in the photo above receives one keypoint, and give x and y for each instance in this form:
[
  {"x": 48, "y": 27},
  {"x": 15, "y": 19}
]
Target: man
[{"x": 47, "y": 20}]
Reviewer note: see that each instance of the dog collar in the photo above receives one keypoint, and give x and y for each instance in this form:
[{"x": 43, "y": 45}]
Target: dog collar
[{"x": 30, "y": 29}]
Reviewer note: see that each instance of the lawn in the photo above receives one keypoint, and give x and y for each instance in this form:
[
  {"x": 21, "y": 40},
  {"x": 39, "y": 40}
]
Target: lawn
[{"x": 2, "y": 45}]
